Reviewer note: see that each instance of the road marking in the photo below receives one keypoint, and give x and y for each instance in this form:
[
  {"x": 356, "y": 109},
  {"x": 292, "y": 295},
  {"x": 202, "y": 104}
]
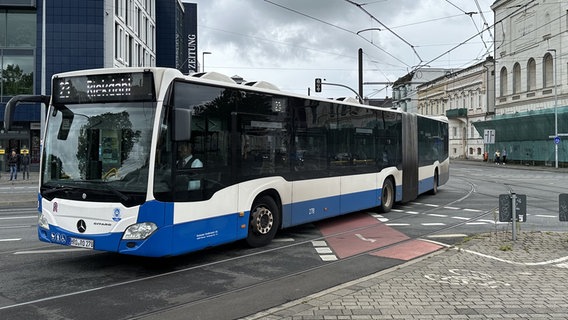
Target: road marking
[
  {"x": 325, "y": 253},
  {"x": 545, "y": 216},
  {"x": 397, "y": 224},
  {"x": 460, "y": 218},
  {"x": 438, "y": 215},
  {"x": 451, "y": 208},
  {"x": 324, "y": 250},
  {"x": 14, "y": 218},
  {"x": 283, "y": 240},
  {"x": 328, "y": 257},
  {"x": 50, "y": 251},
  {"x": 431, "y": 205},
  {"x": 473, "y": 210},
  {"x": 7, "y": 240},
  {"x": 433, "y": 224},
  {"x": 455, "y": 235},
  {"x": 364, "y": 239},
  {"x": 475, "y": 223}
]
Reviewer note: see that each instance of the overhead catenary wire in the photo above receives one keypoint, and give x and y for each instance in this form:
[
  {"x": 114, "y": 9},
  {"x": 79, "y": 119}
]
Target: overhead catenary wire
[{"x": 386, "y": 27}]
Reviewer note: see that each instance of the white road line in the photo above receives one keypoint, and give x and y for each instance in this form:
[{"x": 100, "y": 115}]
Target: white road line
[
  {"x": 451, "y": 208},
  {"x": 475, "y": 223},
  {"x": 438, "y": 215},
  {"x": 545, "y": 216},
  {"x": 323, "y": 250},
  {"x": 472, "y": 210},
  {"x": 460, "y": 218},
  {"x": 8, "y": 240},
  {"x": 50, "y": 251},
  {"x": 328, "y": 257},
  {"x": 433, "y": 224},
  {"x": 283, "y": 240},
  {"x": 455, "y": 235},
  {"x": 397, "y": 224},
  {"x": 15, "y": 218}
]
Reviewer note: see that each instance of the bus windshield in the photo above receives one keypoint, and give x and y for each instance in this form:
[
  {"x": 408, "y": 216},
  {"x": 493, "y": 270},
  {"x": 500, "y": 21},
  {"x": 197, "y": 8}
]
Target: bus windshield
[{"x": 102, "y": 147}]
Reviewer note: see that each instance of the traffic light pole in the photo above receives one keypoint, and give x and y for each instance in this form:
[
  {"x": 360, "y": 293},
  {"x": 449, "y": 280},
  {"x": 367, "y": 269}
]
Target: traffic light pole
[{"x": 319, "y": 83}]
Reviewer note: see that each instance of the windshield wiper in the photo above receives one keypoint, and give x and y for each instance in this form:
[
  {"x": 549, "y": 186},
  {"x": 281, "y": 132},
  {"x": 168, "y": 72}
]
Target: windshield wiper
[
  {"x": 117, "y": 193},
  {"x": 56, "y": 189}
]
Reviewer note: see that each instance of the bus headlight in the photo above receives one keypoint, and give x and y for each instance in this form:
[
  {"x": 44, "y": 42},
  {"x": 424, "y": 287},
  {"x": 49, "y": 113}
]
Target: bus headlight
[
  {"x": 139, "y": 231},
  {"x": 42, "y": 221}
]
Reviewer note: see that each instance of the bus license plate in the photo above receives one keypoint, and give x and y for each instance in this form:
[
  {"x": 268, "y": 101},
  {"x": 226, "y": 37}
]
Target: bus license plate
[{"x": 82, "y": 243}]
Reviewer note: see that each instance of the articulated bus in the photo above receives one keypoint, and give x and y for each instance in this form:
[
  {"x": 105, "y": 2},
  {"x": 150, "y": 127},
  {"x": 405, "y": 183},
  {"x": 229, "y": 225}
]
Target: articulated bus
[{"x": 112, "y": 177}]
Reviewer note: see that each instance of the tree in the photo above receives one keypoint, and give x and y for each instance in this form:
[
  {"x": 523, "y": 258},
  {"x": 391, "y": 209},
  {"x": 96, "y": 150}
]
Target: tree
[{"x": 15, "y": 81}]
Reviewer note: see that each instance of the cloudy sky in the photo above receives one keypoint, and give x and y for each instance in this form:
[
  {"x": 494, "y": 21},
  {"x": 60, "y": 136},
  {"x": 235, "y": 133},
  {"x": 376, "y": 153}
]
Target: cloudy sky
[{"x": 291, "y": 42}]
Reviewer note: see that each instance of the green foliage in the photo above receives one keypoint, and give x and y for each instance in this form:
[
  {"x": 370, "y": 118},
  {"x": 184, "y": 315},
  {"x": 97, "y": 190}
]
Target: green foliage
[{"x": 16, "y": 82}]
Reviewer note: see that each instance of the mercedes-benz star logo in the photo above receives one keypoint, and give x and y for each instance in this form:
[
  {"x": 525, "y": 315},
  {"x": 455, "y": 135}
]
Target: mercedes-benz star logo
[{"x": 81, "y": 226}]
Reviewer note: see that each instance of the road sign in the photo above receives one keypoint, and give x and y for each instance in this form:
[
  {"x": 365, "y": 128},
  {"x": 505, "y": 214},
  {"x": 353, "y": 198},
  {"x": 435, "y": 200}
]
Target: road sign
[
  {"x": 506, "y": 207},
  {"x": 556, "y": 140},
  {"x": 563, "y": 207},
  {"x": 489, "y": 136}
]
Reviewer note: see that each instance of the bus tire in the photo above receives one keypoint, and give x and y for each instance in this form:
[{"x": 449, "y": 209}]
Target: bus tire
[
  {"x": 264, "y": 222},
  {"x": 435, "y": 186},
  {"x": 387, "y": 196}
]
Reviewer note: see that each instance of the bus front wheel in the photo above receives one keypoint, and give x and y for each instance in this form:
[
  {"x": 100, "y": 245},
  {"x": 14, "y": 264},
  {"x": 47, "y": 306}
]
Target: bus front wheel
[
  {"x": 264, "y": 222},
  {"x": 387, "y": 196}
]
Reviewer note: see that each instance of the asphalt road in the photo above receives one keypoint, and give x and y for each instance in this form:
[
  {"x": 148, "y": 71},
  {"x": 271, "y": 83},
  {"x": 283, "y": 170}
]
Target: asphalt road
[{"x": 43, "y": 281}]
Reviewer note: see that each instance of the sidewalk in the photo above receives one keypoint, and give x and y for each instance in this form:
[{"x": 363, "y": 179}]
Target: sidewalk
[
  {"x": 19, "y": 192},
  {"x": 487, "y": 277}
]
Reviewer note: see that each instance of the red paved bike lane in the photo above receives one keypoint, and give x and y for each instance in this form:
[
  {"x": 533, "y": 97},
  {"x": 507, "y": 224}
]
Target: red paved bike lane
[{"x": 357, "y": 233}]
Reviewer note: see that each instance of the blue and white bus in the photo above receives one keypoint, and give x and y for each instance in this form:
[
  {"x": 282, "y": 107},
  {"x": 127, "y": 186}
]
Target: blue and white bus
[{"x": 111, "y": 177}]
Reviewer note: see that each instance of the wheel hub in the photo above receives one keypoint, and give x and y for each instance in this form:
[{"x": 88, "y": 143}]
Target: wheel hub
[{"x": 262, "y": 220}]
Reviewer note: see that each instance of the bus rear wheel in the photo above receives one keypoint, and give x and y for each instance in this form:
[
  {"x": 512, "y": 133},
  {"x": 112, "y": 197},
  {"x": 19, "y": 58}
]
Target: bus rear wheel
[
  {"x": 264, "y": 222},
  {"x": 387, "y": 196},
  {"x": 435, "y": 186}
]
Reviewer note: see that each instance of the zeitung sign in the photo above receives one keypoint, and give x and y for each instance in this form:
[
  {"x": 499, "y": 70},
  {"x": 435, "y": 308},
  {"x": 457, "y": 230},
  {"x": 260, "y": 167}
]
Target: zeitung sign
[{"x": 190, "y": 41}]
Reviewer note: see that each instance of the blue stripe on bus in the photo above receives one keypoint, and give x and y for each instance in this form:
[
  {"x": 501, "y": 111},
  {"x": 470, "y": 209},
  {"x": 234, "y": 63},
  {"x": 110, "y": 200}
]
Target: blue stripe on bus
[
  {"x": 425, "y": 185},
  {"x": 317, "y": 209},
  {"x": 56, "y": 235}
]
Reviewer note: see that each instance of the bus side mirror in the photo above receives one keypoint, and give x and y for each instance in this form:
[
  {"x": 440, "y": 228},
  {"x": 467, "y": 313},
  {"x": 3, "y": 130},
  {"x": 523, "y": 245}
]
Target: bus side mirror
[{"x": 182, "y": 124}]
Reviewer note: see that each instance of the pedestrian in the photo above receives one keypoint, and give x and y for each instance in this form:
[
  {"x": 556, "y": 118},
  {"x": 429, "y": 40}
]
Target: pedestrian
[
  {"x": 13, "y": 164},
  {"x": 26, "y": 165},
  {"x": 504, "y": 156},
  {"x": 497, "y": 157}
]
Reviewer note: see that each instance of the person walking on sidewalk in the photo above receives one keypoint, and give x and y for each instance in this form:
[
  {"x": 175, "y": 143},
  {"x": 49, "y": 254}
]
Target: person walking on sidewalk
[
  {"x": 504, "y": 155},
  {"x": 13, "y": 164},
  {"x": 497, "y": 157},
  {"x": 26, "y": 165}
]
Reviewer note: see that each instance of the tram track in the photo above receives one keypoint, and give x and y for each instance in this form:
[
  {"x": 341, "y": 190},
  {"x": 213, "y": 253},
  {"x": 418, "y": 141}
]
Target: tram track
[
  {"x": 286, "y": 277},
  {"x": 217, "y": 263}
]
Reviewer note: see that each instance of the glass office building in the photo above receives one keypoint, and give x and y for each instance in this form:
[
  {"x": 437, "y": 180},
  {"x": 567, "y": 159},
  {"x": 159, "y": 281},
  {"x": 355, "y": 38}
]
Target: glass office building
[{"x": 78, "y": 35}]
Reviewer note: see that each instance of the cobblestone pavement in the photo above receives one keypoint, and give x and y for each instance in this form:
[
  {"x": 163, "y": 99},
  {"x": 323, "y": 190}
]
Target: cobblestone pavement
[{"x": 485, "y": 277}]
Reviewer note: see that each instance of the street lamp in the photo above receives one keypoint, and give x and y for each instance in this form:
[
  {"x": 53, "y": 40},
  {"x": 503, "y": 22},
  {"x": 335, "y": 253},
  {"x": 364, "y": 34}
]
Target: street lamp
[
  {"x": 203, "y": 60},
  {"x": 555, "y": 112}
]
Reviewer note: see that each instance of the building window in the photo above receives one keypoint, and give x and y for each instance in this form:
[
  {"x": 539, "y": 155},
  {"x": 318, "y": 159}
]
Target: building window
[
  {"x": 516, "y": 78},
  {"x": 531, "y": 74},
  {"x": 548, "y": 76},
  {"x": 503, "y": 82}
]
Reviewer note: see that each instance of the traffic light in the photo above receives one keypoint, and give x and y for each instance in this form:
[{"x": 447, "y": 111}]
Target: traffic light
[{"x": 318, "y": 84}]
